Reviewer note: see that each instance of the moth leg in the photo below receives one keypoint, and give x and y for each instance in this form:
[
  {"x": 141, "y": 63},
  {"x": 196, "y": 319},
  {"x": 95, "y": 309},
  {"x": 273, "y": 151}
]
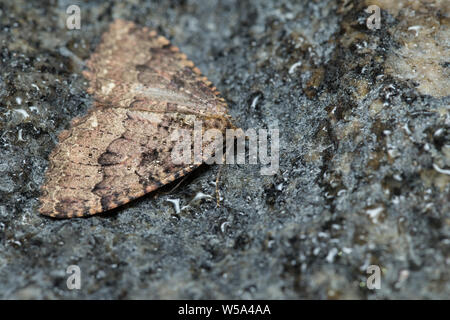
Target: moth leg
[
  {"x": 218, "y": 179},
  {"x": 178, "y": 184}
]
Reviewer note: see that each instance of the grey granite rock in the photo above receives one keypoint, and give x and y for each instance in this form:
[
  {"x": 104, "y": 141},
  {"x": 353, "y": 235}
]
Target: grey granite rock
[{"x": 364, "y": 155}]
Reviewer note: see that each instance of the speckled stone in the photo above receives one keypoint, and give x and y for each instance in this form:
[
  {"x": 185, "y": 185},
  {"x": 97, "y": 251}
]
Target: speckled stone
[{"x": 364, "y": 155}]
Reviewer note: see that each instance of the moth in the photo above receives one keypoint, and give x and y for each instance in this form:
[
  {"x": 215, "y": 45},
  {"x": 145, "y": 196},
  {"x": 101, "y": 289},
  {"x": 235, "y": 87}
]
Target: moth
[{"x": 144, "y": 90}]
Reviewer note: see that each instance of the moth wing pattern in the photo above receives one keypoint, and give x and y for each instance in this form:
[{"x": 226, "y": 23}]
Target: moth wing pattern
[
  {"x": 144, "y": 90},
  {"x": 135, "y": 66}
]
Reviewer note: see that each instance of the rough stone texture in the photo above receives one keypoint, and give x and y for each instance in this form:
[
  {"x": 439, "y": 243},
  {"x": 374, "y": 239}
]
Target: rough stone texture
[{"x": 364, "y": 155}]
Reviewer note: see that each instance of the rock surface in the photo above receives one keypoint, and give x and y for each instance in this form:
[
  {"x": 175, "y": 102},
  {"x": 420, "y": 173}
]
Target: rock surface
[{"x": 364, "y": 174}]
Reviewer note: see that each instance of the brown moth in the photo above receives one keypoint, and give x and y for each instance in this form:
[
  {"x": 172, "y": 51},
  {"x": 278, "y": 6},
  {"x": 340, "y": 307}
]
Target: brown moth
[{"x": 144, "y": 89}]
